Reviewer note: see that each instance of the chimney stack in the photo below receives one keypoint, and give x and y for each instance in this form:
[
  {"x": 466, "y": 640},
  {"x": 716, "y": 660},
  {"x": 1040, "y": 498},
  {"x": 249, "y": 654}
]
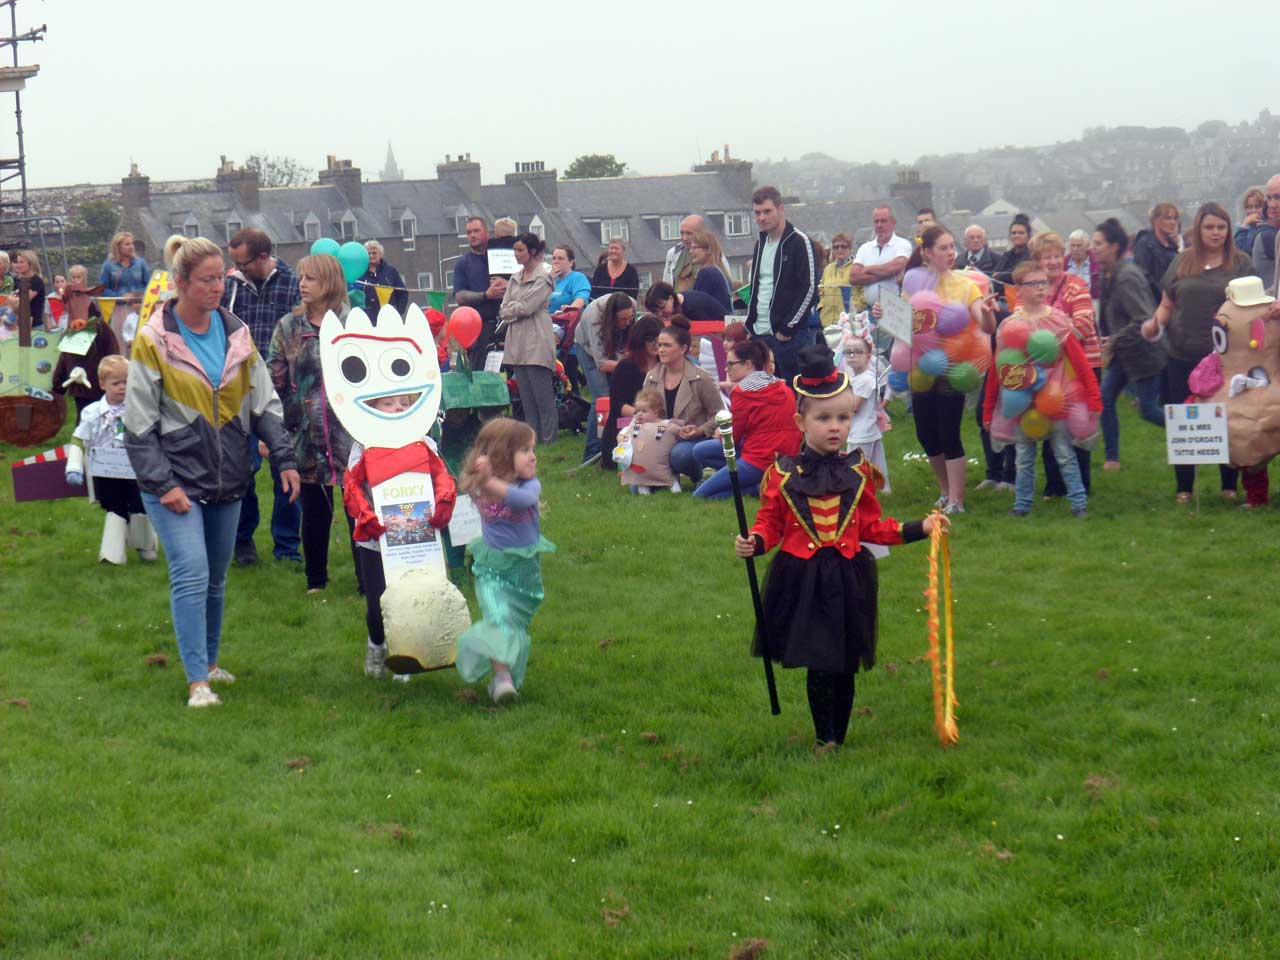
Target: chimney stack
[
  {"x": 243, "y": 181},
  {"x": 462, "y": 172},
  {"x": 341, "y": 174}
]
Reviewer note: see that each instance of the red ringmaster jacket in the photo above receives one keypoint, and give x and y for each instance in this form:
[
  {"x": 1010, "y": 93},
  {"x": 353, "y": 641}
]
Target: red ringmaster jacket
[{"x": 810, "y": 502}]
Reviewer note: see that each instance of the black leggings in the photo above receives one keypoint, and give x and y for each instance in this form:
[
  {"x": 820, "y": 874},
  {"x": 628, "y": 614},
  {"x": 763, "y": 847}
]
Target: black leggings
[
  {"x": 830, "y": 703},
  {"x": 1176, "y": 374},
  {"x": 317, "y": 519},
  {"x": 369, "y": 566},
  {"x": 938, "y": 417}
]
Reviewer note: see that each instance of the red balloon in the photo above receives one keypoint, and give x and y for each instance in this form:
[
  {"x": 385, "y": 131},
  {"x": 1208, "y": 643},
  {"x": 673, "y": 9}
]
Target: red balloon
[
  {"x": 464, "y": 326},
  {"x": 1013, "y": 334}
]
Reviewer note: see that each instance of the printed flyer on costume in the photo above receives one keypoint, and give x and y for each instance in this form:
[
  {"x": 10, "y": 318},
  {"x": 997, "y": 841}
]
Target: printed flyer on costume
[{"x": 404, "y": 505}]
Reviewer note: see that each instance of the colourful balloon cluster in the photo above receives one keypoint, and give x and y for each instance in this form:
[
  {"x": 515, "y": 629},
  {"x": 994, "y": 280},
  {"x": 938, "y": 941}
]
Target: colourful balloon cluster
[
  {"x": 352, "y": 255},
  {"x": 1037, "y": 387},
  {"x": 946, "y": 345}
]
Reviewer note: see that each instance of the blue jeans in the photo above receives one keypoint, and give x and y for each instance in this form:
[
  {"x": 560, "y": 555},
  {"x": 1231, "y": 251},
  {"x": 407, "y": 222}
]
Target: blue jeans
[
  {"x": 198, "y": 546},
  {"x": 1025, "y": 485},
  {"x": 710, "y": 453},
  {"x": 286, "y": 517},
  {"x": 786, "y": 355},
  {"x": 1114, "y": 380},
  {"x": 598, "y": 384},
  {"x": 683, "y": 461}
]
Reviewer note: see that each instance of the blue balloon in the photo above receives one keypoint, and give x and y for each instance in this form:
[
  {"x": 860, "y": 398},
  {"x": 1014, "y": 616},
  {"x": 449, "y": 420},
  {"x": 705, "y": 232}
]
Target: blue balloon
[
  {"x": 354, "y": 259},
  {"x": 898, "y": 381},
  {"x": 325, "y": 245},
  {"x": 1013, "y": 403},
  {"x": 1042, "y": 377},
  {"x": 935, "y": 362}
]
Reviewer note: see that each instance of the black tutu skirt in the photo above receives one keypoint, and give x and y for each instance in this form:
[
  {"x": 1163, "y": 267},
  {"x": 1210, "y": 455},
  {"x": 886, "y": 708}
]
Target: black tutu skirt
[{"x": 820, "y": 613}]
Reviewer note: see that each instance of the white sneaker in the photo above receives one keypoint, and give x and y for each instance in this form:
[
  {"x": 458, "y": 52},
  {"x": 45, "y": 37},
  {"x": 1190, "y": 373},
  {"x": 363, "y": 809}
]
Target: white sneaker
[
  {"x": 953, "y": 508},
  {"x": 202, "y": 696},
  {"x": 987, "y": 484},
  {"x": 675, "y": 485},
  {"x": 501, "y": 689},
  {"x": 375, "y": 657},
  {"x": 401, "y": 677},
  {"x": 641, "y": 491},
  {"x": 1005, "y": 486},
  {"x": 221, "y": 676},
  {"x": 941, "y": 502}
]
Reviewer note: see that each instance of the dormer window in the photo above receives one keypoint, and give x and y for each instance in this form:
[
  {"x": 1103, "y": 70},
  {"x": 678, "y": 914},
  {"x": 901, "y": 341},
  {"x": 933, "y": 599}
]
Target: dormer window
[
  {"x": 347, "y": 226},
  {"x": 233, "y": 227},
  {"x": 737, "y": 224},
  {"x": 669, "y": 227},
  {"x": 616, "y": 229}
]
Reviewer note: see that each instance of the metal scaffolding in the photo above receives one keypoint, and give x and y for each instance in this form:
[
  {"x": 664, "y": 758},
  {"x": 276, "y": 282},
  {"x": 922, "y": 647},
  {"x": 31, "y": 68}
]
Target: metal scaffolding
[{"x": 12, "y": 80}]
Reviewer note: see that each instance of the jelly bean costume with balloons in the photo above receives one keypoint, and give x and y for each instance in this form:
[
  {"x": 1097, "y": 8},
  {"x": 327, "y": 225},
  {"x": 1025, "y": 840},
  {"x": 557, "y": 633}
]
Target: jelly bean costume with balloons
[
  {"x": 821, "y": 592},
  {"x": 1043, "y": 387}
]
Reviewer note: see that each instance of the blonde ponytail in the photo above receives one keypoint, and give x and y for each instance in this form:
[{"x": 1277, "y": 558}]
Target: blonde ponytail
[{"x": 181, "y": 254}]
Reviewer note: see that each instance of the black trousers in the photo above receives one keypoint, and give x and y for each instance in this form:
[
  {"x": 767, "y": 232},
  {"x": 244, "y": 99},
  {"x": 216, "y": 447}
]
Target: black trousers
[
  {"x": 1176, "y": 374},
  {"x": 831, "y": 704},
  {"x": 317, "y": 519},
  {"x": 369, "y": 565},
  {"x": 1000, "y": 466},
  {"x": 118, "y": 496}
]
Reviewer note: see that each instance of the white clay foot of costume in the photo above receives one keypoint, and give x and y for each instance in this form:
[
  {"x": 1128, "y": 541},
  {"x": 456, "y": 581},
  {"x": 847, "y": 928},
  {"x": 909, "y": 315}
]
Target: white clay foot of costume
[
  {"x": 115, "y": 534},
  {"x": 142, "y": 536}
]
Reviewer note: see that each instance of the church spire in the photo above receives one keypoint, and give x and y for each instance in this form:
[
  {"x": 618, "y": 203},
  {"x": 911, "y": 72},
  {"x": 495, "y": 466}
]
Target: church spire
[{"x": 390, "y": 171}]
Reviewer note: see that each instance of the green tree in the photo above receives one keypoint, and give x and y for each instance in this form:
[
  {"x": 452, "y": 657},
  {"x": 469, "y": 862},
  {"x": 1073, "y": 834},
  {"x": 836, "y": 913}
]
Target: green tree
[
  {"x": 278, "y": 171},
  {"x": 94, "y": 223},
  {"x": 594, "y": 165}
]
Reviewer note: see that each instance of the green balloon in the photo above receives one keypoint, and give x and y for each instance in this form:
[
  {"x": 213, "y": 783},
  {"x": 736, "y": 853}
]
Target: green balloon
[
  {"x": 354, "y": 259},
  {"x": 1010, "y": 357},
  {"x": 964, "y": 377},
  {"x": 1042, "y": 347},
  {"x": 325, "y": 245},
  {"x": 356, "y": 297}
]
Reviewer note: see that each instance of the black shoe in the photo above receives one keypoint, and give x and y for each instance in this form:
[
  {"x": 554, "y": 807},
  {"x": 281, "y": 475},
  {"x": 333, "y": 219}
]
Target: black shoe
[{"x": 246, "y": 553}]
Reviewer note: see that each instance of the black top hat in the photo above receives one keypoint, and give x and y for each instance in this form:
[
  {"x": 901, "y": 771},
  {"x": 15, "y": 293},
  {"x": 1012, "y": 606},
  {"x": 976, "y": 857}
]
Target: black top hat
[{"x": 818, "y": 374}]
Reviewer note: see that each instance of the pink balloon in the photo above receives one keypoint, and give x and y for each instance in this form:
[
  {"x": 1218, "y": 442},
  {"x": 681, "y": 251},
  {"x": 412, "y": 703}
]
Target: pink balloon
[
  {"x": 900, "y": 356},
  {"x": 952, "y": 318},
  {"x": 926, "y": 300},
  {"x": 1081, "y": 423}
]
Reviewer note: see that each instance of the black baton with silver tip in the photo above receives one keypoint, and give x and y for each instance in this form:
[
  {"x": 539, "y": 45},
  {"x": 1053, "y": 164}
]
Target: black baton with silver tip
[{"x": 724, "y": 423}]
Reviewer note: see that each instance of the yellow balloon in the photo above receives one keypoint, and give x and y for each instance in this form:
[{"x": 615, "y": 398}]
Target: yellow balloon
[
  {"x": 1034, "y": 424},
  {"x": 919, "y": 381}
]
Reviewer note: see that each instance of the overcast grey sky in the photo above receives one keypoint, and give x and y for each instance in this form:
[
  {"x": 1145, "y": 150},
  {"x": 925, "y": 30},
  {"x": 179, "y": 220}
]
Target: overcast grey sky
[{"x": 174, "y": 85}]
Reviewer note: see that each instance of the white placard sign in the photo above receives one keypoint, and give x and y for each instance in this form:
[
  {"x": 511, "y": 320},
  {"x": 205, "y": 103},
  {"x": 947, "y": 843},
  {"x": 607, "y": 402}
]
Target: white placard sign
[
  {"x": 77, "y": 343},
  {"x": 465, "y": 525},
  {"x": 1196, "y": 433},
  {"x": 110, "y": 461},
  {"x": 404, "y": 505},
  {"x": 502, "y": 262},
  {"x": 895, "y": 318},
  {"x": 493, "y": 361}
]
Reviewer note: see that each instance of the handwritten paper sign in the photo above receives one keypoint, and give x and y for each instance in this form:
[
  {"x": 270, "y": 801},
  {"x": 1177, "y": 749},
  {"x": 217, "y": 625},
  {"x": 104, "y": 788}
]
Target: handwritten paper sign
[
  {"x": 896, "y": 318},
  {"x": 1196, "y": 433},
  {"x": 465, "y": 524},
  {"x": 493, "y": 361},
  {"x": 502, "y": 262},
  {"x": 110, "y": 461},
  {"x": 78, "y": 342}
]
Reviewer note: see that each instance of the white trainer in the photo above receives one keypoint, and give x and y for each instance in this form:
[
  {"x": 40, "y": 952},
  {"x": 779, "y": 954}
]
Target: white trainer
[
  {"x": 375, "y": 658},
  {"x": 221, "y": 676},
  {"x": 401, "y": 677},
  {"x": 501, "y": 689},
  {"x": 202, "y": 696}
]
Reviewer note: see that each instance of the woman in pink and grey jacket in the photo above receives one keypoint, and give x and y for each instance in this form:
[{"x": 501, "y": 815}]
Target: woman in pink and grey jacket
[{"x": 197, "y": 387}]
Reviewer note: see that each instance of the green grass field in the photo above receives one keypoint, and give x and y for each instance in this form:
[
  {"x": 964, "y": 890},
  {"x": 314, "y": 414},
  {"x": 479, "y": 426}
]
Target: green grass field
[{"x": 1114, "y": 792}]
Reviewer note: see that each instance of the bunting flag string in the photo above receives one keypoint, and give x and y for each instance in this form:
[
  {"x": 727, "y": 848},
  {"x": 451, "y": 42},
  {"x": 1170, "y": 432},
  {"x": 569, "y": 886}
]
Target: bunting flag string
[{"x": 944, "y": 691}]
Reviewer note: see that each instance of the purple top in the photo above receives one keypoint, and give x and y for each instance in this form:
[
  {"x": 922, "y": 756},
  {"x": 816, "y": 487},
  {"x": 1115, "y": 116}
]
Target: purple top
[{"x": 512, "y": 522}]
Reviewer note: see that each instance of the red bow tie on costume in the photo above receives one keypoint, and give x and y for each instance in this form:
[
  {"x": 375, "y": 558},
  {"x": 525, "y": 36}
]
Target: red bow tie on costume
[{"x": 383, "y": 463}]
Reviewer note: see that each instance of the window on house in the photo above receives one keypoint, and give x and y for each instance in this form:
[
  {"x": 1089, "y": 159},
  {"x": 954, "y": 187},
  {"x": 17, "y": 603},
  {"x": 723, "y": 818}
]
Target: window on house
[
  {"x": 448, "y": 279},
  {"x": 646, "y": 280},
  {"x": 426, "y": 281},
  {"x": 460, "y": 223},
  {"x": 614, "y": 230},
  {"x": 408, "y": 227},
  {"x": 669, "y": 228},
  {"x": 233, "y": 227},
  {"x": 191, "y": 229},
  {"x": 347, "y": 227},
  {"x": 311, "y": 231},
  {"x": 736, "y": 225},
  {"x": 538, "y": 228}
]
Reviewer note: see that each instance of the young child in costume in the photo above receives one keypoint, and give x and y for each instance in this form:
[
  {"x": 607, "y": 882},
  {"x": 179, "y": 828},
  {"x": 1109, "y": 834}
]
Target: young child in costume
[
  {"x": 501, "y": 475},
  {"x": 820, "y": 596},
  {"x": 358, "y": 500},
  {"x": 864, "y": 431},
  {"x": 78, "y": 374},
  {"x": 646, "y": 443},
  {"x": 101, "y": 427},
  {"x": 1032, "y": 315}
]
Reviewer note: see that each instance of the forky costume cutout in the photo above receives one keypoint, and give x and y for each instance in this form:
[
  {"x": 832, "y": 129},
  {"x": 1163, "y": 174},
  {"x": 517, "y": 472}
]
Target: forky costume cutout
[{"x": 411, "y": 492}]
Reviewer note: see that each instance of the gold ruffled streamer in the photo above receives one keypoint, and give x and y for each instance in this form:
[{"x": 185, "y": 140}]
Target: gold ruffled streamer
[{"x": 944, "y": 692}]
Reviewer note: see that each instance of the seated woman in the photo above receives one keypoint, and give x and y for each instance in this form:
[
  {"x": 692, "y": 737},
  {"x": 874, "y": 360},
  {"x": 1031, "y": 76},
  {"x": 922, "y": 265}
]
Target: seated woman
[
  {"x": 690, "y": 393},
  {"x": 628, "y": 378},
  {"x": 711, "y": 278},
  {"x": 764, "y": 423}
]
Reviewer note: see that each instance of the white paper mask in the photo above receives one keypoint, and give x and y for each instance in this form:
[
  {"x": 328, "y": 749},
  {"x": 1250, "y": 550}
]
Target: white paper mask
[{"x": 362, "y": 362}]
